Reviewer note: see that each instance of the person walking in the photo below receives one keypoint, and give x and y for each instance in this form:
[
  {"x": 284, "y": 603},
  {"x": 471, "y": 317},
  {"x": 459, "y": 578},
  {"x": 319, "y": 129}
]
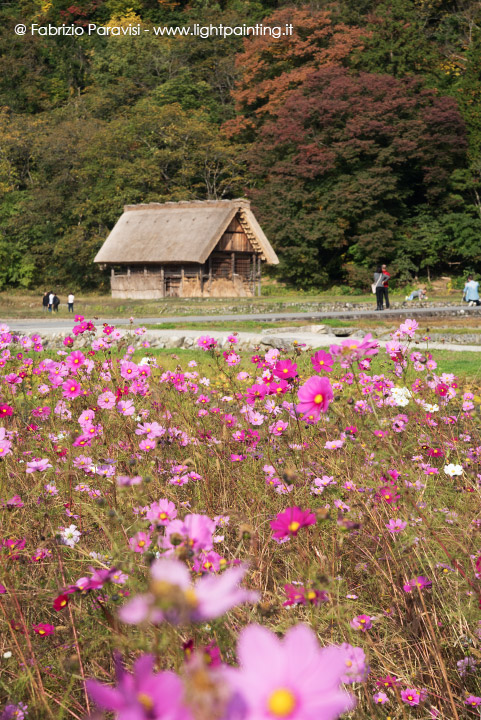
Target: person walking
[
  {"x": 55, "y": 303},
  {"x": 378, "y": 287},
  {"x": 385, "y": 287},
  {"x": 471, "y": 292},
  {"x": 45, "y": 301},
  {"x": 51, "y": 296},
  {"x": 70, "y": 302}
]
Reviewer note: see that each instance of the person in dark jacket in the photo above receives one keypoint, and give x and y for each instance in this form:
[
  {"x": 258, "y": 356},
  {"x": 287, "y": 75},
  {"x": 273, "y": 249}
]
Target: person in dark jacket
[
  {"x": 56, "y": 303},
  {"x": 45, "y": 301},
  {"x": 378, "y": 282},
  {"x": 385, "y": 285}
]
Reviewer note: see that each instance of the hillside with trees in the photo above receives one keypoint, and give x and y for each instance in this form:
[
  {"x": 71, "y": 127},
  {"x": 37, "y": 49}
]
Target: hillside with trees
[{"x": 357, "y": 138}]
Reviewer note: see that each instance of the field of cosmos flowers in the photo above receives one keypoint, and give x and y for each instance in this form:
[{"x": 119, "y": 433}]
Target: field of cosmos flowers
[{"x": 284, "y": 536}]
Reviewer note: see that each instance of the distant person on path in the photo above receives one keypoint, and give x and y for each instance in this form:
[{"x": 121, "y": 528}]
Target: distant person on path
[
  {"x": 385, "y": 285},
  {"x": 45, "y": 301},
  {"x": 55, "y": 303},
  {"x": 378, "y": 287},
  {"x": 51, "y": 296},
  {"x": 70, "y": 302},
  {"x": 471, "y": 292},
  {"x": 417, "y": 295}
]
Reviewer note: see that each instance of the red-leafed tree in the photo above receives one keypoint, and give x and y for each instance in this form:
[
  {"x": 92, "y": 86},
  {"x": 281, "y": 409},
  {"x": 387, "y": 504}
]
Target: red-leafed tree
[
  {"x": 347, "y": 160},
  {"x": 271, "y": 67}
]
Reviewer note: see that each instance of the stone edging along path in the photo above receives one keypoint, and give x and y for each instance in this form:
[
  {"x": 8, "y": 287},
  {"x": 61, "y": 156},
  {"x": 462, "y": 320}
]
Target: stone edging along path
[{"x": 285, "y": 341}]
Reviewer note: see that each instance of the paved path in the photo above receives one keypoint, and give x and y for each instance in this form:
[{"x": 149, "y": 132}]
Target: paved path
[{"x": 56, "y": 324}]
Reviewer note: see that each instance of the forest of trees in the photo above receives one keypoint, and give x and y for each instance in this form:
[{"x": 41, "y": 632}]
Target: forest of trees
[{"x": 357, "y": 138}]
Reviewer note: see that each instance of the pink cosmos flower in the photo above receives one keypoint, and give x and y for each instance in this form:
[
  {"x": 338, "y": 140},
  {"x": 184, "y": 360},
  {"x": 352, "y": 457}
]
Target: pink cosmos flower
[
  {"x": 129, "y": 370},
  {"x": 396, "y": 525},
  {"x": 256, "y": 392},
  {"x": 410, "y": 697},
  {"x": 5, "y": 448},
  {"x": 299, "y": 595},
  {"x": 142, "y": 695},
  {"x": 44, "y": 629},
  {"x": 126, "y": 407},
  {"x": 106, "y": 400},
  {"x": 291, "y": 678},
  {"x": 210, "y": 597},
  {"x": 278, "y": 428},
  {"x": 380, "y": 698},
  {"x": 420, "y": 582},
  {"x": 290, "y": 521},
  {"x": 195, "y": 531},
  {"x": 161, "y": 512},
  {"x": 408, "y": 327},
  {"x": 140, "y": 542},
  {"x": 285, "y": 369},
  {"x": 356, "y": 667},
  {"x": 75, "y": 360},
  {"x": 5, "y": 410},
  {"x": 473, "y": 701},
  {"x": 322, "y": 361},
  {"x": 38, "y": 465},
  {"x": 147, "y": 445},
  {"x": 354, "y": 348},
  {"x": 206, "y": 343},
  {"x": 71, "y": 389},
  {"x": 126, "y": 481},
  {"x": 361, "y": 622},
  {"x": 314, "y": 396}
]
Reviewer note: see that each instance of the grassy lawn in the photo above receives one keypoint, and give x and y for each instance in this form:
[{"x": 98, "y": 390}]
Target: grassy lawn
[{"x": 466, "y": 366}]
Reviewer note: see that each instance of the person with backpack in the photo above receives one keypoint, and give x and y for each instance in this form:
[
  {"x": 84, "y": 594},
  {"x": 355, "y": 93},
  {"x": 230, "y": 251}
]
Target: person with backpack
[{"x": 55, "y": 303}]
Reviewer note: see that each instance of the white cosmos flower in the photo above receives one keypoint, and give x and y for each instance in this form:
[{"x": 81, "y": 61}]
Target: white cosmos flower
[{"x": 453, "y": 470}]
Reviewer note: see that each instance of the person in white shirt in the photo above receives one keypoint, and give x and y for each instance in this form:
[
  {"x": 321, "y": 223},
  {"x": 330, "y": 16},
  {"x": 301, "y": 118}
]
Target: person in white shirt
[
  {"x": 70, "y": 302},
  {"x": 50, "y": 301}
]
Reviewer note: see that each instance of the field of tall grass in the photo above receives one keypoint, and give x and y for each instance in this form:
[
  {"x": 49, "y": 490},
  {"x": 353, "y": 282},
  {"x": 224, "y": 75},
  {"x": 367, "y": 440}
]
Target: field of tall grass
[{"x": 219, "y": 536}]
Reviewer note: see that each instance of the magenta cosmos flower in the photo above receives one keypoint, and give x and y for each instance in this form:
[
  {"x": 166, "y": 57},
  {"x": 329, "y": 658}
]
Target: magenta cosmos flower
[
  {"x": 322, "y": 361},
  {"x": 361, "y": 622},
  {"x": 410, "y": 696},
  {"x": 290, "y": 521},
  {"x": 210, "y": 597},
  {"x": 420, "y": 582},
  {"x": 292, "y": 678},
  {"x": 44, "y": 629},
  {"x": 315, "y": 396},
  {"x": 142, "y": 695}
]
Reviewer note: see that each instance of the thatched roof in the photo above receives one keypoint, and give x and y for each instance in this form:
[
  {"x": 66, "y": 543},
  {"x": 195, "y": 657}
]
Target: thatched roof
[{"x": 183, "y": 232}]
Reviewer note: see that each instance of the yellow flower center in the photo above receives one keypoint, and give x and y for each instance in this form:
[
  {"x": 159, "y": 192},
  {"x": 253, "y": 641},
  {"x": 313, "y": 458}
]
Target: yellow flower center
[
  {"x": 191, "y": 597},
  {"x": 141, "y": 543},
  {"x": 281, "y": 703},
  {"x": 311, "y": 595},
  {"x": 162, "y": 516},
  {"x": 294, "y": 526},
  {"x": 146, "y": 701},
  {"x": 318, "y": 399}
]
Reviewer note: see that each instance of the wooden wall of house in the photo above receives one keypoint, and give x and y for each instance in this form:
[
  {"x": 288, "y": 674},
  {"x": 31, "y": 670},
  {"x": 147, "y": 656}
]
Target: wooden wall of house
[{"x": 234, "y": 239}]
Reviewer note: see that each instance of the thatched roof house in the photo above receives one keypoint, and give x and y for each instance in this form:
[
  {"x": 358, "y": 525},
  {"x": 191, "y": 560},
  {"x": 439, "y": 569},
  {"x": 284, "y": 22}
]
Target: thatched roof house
[{"x": 202, "y": 248}]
